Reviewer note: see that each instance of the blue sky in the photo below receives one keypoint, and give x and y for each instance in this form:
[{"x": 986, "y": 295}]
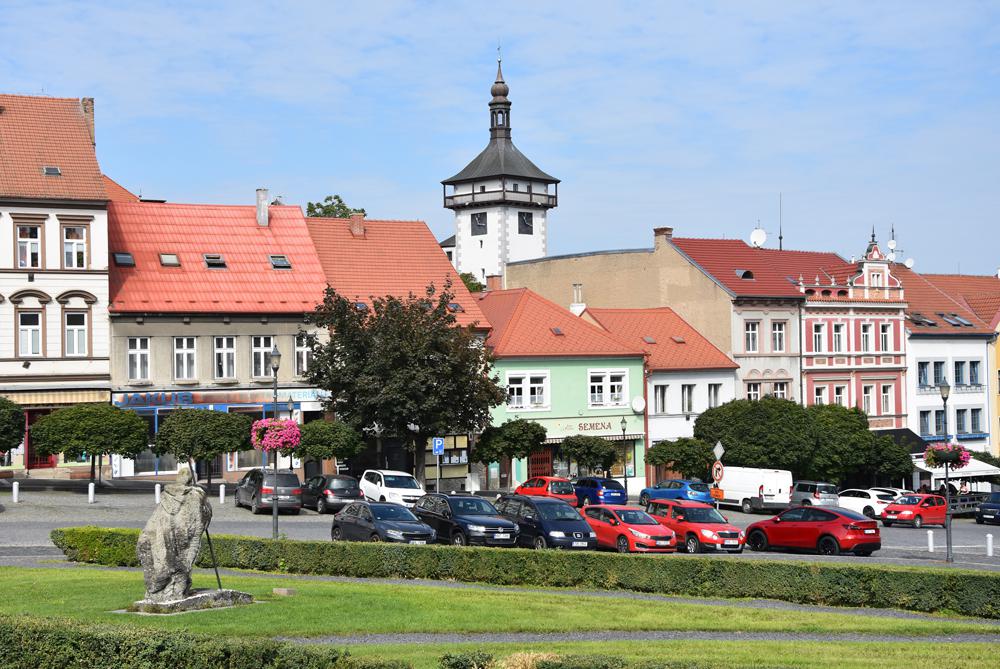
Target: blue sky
[{"x": 694, "y": 115}]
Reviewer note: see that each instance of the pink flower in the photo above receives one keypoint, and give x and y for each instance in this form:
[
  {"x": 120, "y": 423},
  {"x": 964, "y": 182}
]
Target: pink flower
[
  {"x": 933, "y": 455},
  {"x": 270, "y": 434}
]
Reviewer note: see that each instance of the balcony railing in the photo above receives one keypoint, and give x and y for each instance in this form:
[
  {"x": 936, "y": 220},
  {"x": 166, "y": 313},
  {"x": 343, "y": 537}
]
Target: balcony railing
[{"x": 500, "y": 195}]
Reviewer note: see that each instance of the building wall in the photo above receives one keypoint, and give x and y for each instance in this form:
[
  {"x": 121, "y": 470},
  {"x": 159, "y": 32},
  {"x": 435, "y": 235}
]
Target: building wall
[
  {"x": 771, "y": 369},
  {"x": 674, "y": 422},
  {"x": 485, "y": 255}
]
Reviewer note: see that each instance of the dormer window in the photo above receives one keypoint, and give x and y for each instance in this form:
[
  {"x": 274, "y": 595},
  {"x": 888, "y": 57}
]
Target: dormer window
[
  {"x": 214, "y": 261},
  {"x": 280, "y": 262},
  {"x": 170, "y": 260},
  {"x": 745, "y": 274},
  {"x": 876, "y": 280},
  {"x": 124, "y": 259},
  {"x": 51, "y": 171}
]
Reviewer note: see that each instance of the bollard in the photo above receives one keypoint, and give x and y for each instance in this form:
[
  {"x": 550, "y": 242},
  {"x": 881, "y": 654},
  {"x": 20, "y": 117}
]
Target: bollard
[
  {"x": 930, "y": 541},
  {"x": 156, "y": 493},
  {"x": 222, "y": 493},
  {"x": 16, "y": 491},
  {"x": 989, "y": 545},
  {"x": 90, "y": 493}
]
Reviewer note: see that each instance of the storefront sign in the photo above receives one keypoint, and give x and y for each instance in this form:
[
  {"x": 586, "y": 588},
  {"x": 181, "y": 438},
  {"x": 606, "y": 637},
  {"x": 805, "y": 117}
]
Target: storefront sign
[{"x": 187, "y": 397}]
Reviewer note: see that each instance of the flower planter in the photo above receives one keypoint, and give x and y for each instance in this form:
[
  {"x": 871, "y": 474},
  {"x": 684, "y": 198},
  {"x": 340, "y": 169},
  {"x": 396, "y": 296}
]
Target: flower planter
[{"x": 950, "y": 456}]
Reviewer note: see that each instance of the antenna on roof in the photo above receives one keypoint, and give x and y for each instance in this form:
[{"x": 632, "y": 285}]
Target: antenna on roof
[{"x": 781, "y": 232}]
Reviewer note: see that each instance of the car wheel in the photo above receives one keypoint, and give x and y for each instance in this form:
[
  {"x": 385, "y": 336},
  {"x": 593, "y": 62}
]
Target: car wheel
[
  {"x": 886, "y": 523},
  {"x": 757, "y": 541},
  {"x": 540, "y": 543},
  {"x": 828, "y": 546},
  {"x": 691, "y": 544},
  {"x": 458, "y": 539},
  {"x": 979, "y": 521},
  {"x": 644, "y": 499},
  {"x": 918, "y": 522},
  {"x": 868, "y": 511},
  {"x": 863, "y": 553},
  {"x": 375, "y": 538},
  {"x": 622, "y": 545},
  {"x": 336, "y": 534},
  {"x": 746, "y": 506},
  {"x": 321, "y": 506},
  {"x": 254, "y": 506}
]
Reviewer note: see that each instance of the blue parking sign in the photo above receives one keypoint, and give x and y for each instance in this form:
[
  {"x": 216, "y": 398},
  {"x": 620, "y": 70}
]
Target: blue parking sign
[{"x": 437, "y": 445}]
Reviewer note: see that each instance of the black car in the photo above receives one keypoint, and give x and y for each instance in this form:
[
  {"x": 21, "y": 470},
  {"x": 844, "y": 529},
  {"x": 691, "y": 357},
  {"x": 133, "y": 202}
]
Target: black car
[
  {"x": 989, "y": 509},
  {"x": 331, "y": 492},
  {"x": 380, "y": 521},
  {"x": 463, "y": 519},
  {"x": 256, "y": 490},
  {"x": 547, "y": 522}
]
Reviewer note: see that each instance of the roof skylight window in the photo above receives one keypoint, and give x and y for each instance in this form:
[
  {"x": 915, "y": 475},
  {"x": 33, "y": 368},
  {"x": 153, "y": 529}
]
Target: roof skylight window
[
  {"x": 361, "y": 306},
  {"x": 949, "y": 320},
  {"x": 280, "y": 262},
  {"x": 170, "y": 260},
  {"x": 678, "y": 339},
  {"x": 557, "y": 332},
  {"x": 455, "y": 307},
  {"x": 649, "y": 340},
  {"x": 962, "y": 320},
  {"x": 124, "y": 259},
  {"x": 214, "y": 261},
  {"x": 51, "y": 171}
]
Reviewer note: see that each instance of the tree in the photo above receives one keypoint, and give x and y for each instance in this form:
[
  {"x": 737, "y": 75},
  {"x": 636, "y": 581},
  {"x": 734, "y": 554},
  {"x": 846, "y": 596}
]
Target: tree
[
  {"x": 11, "y": 425},
  {"x": 332, "y": 206},
  {"x": 691, "y": 457},
  {"x": 845, "y": 445},
  {"x": 471, "y": 282},
  {"x": 889, "y": 461},
  {"x": 589, "y": 452},
  {"x": 203, "y": 434},
  {"x": 403, "y": 368},
  {"x": 514, "y": 439},
  {"x": 324, "y": 440},
  {"x": 90, "y": 429}
]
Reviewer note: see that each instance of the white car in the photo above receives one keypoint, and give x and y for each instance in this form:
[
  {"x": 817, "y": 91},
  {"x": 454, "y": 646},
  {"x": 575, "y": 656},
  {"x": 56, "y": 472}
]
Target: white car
[
  {"x": 386, "y": 485},
  {"x": 868, "y": 502},
  {"x": 895, "y": 492}
]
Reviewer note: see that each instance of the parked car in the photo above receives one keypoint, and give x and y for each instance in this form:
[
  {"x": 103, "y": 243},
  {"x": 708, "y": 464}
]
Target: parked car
[
  {"x": 546, "y": 522},
  {"x": 676, "y": 489},
  {"x": 895, "y": 492},
  {"x": 593, "y": 490},
  {"x": 917, "y": 510},
  {"x": 698, "y": 526},
  {"x": 548, "y": 486},
  {"x": 386, "y": 485},
  {"x": 462, "y": 519},
  {"x": 813, "y": 493},
  {"x": 330, "y": 492},
  {"x": 752, "y": 489},
  {"x": 989, "y": 509},
  {"x": 380, "y": 521},
  {"x": 867, "y": 502},
  {"x": 828, "y": 531},
  {"x": 257, "y": 491},
  {"x": 629, "y": 529}
]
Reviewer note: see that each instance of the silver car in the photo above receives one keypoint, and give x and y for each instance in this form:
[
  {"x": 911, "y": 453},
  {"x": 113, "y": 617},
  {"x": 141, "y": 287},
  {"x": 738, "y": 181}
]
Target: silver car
[{"x": 814, "y": 493}]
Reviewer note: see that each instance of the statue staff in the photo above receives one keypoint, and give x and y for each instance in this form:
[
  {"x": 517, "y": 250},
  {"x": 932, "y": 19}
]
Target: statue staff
[{"x": 211, "y": 550}]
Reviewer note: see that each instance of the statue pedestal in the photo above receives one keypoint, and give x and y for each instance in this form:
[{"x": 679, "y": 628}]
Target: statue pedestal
[{"x": 198, "y": 600}]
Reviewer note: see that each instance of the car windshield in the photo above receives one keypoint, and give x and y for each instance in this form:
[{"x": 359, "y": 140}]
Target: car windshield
[
  {"x": 908, "y": 499},
  {"x": 610, "y": 484},
  {"x": 342, "y": 484},
  {"x": 699, "y": 487},
  {"x": 561, "y": 488},
  {"x": 284, "y": 480},
  {"x": 558, "y": 512},
  {"x": 635, "y": 517},
  {"x": 472, "y": 506},
  {"x": 702, "y": 515},
  {"x": 407, "y": 482},
  {"x": 994, "y": 498},
  {"x": 885, "y": 497},
  {"x": 826, "y": 489},
  {"x": 392, "y": 512}
]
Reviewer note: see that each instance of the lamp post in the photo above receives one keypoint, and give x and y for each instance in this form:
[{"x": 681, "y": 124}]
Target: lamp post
[
  {"x": 945, "y": 391},
  {"x": 275, "y": 364},
  {"x": 624, "y": 425}
]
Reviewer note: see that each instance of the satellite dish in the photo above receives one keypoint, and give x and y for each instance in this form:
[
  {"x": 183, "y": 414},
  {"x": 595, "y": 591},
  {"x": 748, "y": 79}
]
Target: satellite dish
[
  {"x": 892, "y": 256},
  {"x": 758, "y": 237},
  {"x": 909, "y": 263},
  {"x": 638, "y": 404},
  {"x": 891, "y": 244}
]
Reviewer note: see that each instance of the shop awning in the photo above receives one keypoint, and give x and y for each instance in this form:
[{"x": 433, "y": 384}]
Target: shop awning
[
  {"x": 45, "y": 398},
  {"x": 606, "y": 437},
  {"x": 975, "y": 469}
]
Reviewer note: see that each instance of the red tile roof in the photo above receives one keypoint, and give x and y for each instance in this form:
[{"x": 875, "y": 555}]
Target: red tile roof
[
  {"x": 39, "y": 132},
  {"x": 525, "y": 325},
  {"x": 981, "y": 293},
  {"x": 116, "y": 192},
  {"x": 675, "y": 344},
  {"x": 924, "y": 299},
  {"x": 391, "y": 258},
  {"x": 248, "y": 284}
]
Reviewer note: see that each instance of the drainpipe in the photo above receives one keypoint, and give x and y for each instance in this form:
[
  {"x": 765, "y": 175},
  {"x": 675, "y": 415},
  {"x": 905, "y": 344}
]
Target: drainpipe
[
  {"x": 645, "y": 423},
  {"x": 802, "y": 381}
]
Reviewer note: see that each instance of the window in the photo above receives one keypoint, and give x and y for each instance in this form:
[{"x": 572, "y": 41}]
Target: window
[
  {"x": 778, "y": 337},
  {"x": 479, "y": 223},
  {"x": 753, "y": 391},
  {"x": 303, "y": 354},
  {"x": 75, "y": 333},
  {"x": 29, "y": 255},
  {"x": 925, "y": 422},
  {"x": 525, "y": 224},
  {"x": 687, "y": 398},
  {"x": 124, "y": 259},
  {"x": 885, "y": 331},
  {"x": 866, "y": 399},
  {"x": 51, "y": 171},
  {"x": 225, "y": 357},
  {"x": 779, "y": 389},
  {"x": 938, "y": 373},
  {"x": 974, "y": 373},
  {"x": 214, "y": 261},
  {"x": 838, "y": 337},
  {"x": 939, "y": 422},
  {"x": 260, "y": 356},
  {"x": 74, "y": 246},
  {"x": 660, "y": 399},
  {"x": 866, "y": 337},
  {"x": 819, "y": 395},
  {"x": 29, "y": 333},
  {"x": 818, "y": 337},
  {"x": 714, "y": 390},
  {"x": 607, "y": 388},
  {"x": 184, "y": 358},
  {"x": 170, "y": 260},
  {"x": 960, "y": 424},
  {"x": 959, "y": 373},
  {"x": 750, "y": 339},
  {"x": 922, "y": 371},
  {"x": 537, "y": 396},
  {"x": 976, "y": 420},
  {"x": 839, "y": 395},
  {"x": 280, "y": 262},
  {"x": 530, "y": 387},
  {"x": 887, "y": 403},
  {"x": 138, "y": 359},
  {"x": 876, "y": 279}
]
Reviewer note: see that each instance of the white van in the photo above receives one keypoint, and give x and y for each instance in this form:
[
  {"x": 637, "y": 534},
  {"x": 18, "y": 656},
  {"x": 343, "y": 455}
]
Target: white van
[{"x": 756, "y": 489}]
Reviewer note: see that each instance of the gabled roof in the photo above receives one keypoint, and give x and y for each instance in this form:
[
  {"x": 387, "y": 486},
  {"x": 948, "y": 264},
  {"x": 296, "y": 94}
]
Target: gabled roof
[
  {"x": 116, "y": 192},
  {"x": 525, "y": 324},
  {"x": 501, "y": 158},
  {"x": 391, "y": 258},
  {"x": 40, "y": 132},
  {"x": 448, "y": 243},
  {"x": 981, "y": 293},
  {"x": 248, "y": 283},
  {"x": 670, "y": 341},
  {"x": 927, "y": 304}
]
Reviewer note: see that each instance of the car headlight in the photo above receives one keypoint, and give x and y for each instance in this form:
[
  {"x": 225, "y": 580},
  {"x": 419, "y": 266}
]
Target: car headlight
[
  {"x": 477, "y": 529},
  {"x": 906, "y": 513},
  {"x": 593, "y": 535},
  {"x": 395, "y": 534},
  {"x": 639, "y": 534},
  {"x": 709, "y": 534},
  {"x": 743, "y": 535},
  {"x": 556, "y": 534}
]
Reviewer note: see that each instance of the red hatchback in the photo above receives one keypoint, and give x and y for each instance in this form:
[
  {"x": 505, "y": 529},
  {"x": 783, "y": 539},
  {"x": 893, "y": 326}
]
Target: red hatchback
[
  {"x": 917, "y": 510},
  {"x": 628, "y": 529},
  {"x": 828, "y": 531},
  {"x": 548, "y": 486},
  {"x": 697, "y": 524}
]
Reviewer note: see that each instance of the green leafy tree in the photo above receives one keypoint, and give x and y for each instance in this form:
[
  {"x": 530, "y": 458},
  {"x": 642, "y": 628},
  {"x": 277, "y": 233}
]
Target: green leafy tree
[
  {"x": 203, "y": 434},
  {"x": 889, "y": 462},
  {"x": 332, "y": 206},
  {"x": 844, "y": 443},
  {"x": 514, "y": 439},
  {"x": 403, "y": 368},
  {"x": 11, "y": 425},
  {"x": 691, "y": 457},
  {"x": 471, "y": 282},
  {"x": 325, "y": 440},
  {"x": 89, "y": 429},
  {"x": 589, "y": 452}
]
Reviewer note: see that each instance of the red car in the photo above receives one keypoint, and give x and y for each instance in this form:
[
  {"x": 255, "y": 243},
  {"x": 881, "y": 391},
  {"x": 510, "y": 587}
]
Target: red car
[
  {"x": 628, "y": 529},
  {"x": 828, "y": 531},
  {"x": 918, "y": 510},
  {"x": 548, "y": 486},
  {"x": 698, "y": 525}
]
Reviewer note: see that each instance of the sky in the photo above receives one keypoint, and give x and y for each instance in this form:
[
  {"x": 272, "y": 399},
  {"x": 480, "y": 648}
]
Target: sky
[{"x": 694, "y": 115}]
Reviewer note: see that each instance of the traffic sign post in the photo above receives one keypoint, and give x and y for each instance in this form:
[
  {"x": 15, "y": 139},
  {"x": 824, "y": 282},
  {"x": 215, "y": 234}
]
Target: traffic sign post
[
  {"x": 437, "y": 447},
  {"x": 717, "y": 471}
]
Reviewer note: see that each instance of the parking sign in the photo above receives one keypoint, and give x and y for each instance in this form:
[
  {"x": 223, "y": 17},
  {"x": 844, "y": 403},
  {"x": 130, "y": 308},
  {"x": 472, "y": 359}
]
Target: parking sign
[{"x": 437, "y": 445}]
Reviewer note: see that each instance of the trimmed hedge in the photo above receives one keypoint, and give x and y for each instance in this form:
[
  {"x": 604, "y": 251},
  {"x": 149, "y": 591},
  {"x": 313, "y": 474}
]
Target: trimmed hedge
[
  {"x": 35, "y": 643},
  {"x": 915, "y": 589}
]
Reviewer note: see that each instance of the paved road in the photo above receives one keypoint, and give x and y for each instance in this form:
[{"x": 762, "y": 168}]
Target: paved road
[{"x": 39, "y": 512}]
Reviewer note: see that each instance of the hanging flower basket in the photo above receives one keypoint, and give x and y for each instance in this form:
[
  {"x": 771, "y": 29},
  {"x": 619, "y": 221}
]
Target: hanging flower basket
[
  {"x": 938, "y": 455},
  {"x": 270, "y": 434}
]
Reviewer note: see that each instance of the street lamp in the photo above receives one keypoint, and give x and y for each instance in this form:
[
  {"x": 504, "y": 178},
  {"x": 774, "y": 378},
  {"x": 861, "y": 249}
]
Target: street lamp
[
  {"x": 275, "y": 364},
  {"x": 945, "y": 391},
  {"x": 624, "y": 425}
]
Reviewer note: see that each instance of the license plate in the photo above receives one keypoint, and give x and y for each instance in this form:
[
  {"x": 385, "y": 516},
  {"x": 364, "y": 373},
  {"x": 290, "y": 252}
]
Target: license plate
[
  {"x": 731, "y": 542},
  {"x": 284, "y": 496},
  {"x": 418, "y": 542},
  {"x": 869, "y": 531},
  {"x": 662, "y": 543},
  {"x": 890, "y": 515},
  {"x": 988, "y": 515},
  {"x": 501, "y": 536},
  {"x": 579, "y": 544}
]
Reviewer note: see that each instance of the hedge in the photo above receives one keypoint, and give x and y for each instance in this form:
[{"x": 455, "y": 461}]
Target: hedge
[
  {"x": 916, "y": 589},
  {"x": 36, "y": 643}
]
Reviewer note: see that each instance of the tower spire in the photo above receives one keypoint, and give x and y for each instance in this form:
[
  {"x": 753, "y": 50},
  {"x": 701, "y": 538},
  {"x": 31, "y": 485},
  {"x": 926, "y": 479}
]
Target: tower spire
[{"x": 499, "y": 105}]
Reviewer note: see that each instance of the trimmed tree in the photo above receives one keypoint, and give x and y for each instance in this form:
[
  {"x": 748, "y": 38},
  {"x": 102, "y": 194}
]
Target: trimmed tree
[
  {"x": 471, "y": 282},
  {"x": 11, "y": 425},
  {"x": 332, "y": 206},
  {"x": 325, "y": 440},
  {"x": 589, "y": 452},
  {"x": 91, "y": 429},
  {"x": 203, "y": 434},
  {"x": 692, "y": 458},
  {"x": 514, "y": 439}
]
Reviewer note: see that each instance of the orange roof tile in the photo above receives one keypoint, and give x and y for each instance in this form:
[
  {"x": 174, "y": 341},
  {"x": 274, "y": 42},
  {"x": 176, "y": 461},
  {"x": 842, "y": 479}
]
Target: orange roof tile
[
  {"x": 674, "y": 344},
  {"x": 39, "y": 132},
  {"x": 980, "y": 292},
  {"x": 525, "y": 325},
  {"x": 391, "y": 258},
  {"x": 116, "y": 192},
  {"x": 925, "y": 299},
  {"x": 248, "y": 284}
]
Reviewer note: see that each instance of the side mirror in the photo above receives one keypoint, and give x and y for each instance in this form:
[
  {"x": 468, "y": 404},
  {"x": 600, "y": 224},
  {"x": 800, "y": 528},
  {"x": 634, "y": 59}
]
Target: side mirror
[
  {"x": 614, "y": 523},
  {"x": 777, "y": 519},
  {"x": 679, "y": 519},
  {"x": 530, "y": 518},
  {"x": 725, "y": 518}
]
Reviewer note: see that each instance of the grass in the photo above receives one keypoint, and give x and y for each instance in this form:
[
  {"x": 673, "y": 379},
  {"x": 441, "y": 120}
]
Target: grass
[{"x": 330, "y": 608}]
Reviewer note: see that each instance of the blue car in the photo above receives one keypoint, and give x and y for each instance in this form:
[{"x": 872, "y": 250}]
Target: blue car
[
  {"x": 695, "y": 491},
  {"x": 592, "y": 490}
]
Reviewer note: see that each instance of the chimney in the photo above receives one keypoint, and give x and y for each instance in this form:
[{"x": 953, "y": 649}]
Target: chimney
[
  {"x": 494, "y": 282},
  {"x": 262, "y": 211},
  {"x": 358, "y": 225},
  {"x": 578, "y": 306},
  {"x": 87, "y": 107},
  {"x": 661, "y": 235}
]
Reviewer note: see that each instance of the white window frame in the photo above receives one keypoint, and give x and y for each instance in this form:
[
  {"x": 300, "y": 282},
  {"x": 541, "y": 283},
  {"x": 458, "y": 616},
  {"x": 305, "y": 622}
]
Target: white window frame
[
  {"x": 778, "y": 330},
  {"x": 841, "y": 397},
  {"x": 877, "y": 280},
  {"x": 887, "y": 400},
  {"x": 961, "y": 421},
  {"x": 976, "y": 420},
  {"x": 71, "y": 248},
  {"x": 753, "y": 390},
  {"x": 957, "y": 378},
  {"x": 838, "y": 338},
  {"x": 185, "y": 358},
  {"x": 714, "y": 394},
  {"x": 977, "y": 364},
  {"x": 226, "y": 354},
  {"x": 137, "y": 358},
  {"x": 867, "y": 342},
  {"x": 687, "y": 398},
  {"x": 751, "y": 336},
  {"x": 32, "y": 334},
  {"x": 783, "y": 394},
  {"x": 30, "y": 245},
  {"x": 75, "y": 336},
  {"x": 660, "y": 395},
  {"x": 606, "y": 386},
  {"x": 867, "y": 391},
  {"x": 818, "y": 335},
  {"x": 820, "y": 395},
  {"x": 303, "y": 355},
  {"x": 522, "y": 381},
  {"x": 885, "y": 337},
  {"x": 926, "y": 413},
  {"x": 260, "y": 352}
]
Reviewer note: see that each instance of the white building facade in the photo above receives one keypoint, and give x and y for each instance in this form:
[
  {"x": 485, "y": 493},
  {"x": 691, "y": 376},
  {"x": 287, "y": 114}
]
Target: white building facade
[{"x": 677, "y": 398}]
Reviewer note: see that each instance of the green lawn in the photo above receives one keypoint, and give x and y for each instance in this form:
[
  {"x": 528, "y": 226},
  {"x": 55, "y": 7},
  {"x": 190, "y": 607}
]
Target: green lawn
[{"x": 330, "y": 608}]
